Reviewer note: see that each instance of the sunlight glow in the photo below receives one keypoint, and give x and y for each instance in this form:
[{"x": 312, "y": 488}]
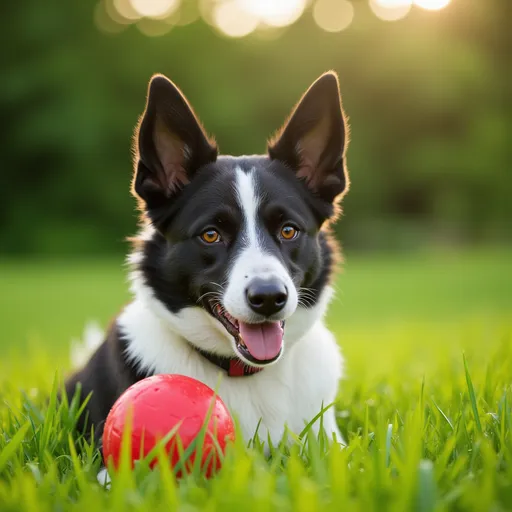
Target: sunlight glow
[
  {"x": 333, "y": 15},
  {"x": 114, "y": 13},
  {"x": 126, "y": 10},
  {"x": 276, "y": 13},
  {"x": 206, "y": 11},
  {"x": 155, "y": 8},
  {"x": 390, "y": 10},
  {"x": 104, "y": 21},
  {"x": 232, "y": 20},
  {"x": 432, "y": 5},
  {"x": 239, "y": 18},
  {"x": 391, "y": 4}
]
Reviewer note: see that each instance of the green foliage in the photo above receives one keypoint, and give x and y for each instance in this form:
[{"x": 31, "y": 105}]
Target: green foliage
[{"x": 428, "y": 99}]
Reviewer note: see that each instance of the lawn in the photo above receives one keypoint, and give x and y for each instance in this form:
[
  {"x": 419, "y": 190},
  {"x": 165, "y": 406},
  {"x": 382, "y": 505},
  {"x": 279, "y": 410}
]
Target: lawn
[{"x": 426, "y": 404}]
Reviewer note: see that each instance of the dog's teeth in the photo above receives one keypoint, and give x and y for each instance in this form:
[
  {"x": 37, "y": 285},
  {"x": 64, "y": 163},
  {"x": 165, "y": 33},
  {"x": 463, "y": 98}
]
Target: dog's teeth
[{"x": 241, "y": 342}]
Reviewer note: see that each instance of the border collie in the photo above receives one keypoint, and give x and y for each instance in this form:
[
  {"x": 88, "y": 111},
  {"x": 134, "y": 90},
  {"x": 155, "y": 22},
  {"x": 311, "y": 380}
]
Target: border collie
[{"x": 231, "y": 270}]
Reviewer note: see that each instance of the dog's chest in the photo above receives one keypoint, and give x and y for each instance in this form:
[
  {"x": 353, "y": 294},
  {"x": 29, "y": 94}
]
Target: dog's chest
[
  {"x": 268, "y": 400},
  {"x": 289, "y": 393}
]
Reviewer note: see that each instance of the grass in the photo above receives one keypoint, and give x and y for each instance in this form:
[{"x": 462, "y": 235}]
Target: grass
[{"x": 426, "y": 404}]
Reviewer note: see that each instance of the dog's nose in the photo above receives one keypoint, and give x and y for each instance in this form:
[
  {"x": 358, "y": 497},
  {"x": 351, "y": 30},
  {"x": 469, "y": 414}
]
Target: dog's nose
[{"x": 266, "y": 297}]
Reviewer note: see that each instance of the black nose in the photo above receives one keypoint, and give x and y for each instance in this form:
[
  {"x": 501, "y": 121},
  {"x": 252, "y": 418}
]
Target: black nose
[{"x": 266, "y": 297}]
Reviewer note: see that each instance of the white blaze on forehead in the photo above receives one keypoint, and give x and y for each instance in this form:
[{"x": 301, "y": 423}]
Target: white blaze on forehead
[
  {"x": 252, "y": 260},
  {"x": 248, "y": 201}
]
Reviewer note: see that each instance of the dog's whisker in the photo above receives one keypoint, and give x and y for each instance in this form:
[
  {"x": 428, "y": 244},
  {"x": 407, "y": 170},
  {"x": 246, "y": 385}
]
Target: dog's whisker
[
  {"x": 305, "y": 304},
  {"x": 214, "y": 294},
  {"x": 307, "y": 291},
  {"x": 307, "y": 295}
]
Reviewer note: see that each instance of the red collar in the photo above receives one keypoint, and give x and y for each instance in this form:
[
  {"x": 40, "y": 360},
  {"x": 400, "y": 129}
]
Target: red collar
[{"x": 233, "y": 366}]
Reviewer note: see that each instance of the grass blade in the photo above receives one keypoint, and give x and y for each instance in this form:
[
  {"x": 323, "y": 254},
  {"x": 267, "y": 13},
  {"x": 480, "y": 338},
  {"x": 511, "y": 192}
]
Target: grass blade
[
  {"x": 472, "y": 396},
  {"x": 11, "y": 447}
]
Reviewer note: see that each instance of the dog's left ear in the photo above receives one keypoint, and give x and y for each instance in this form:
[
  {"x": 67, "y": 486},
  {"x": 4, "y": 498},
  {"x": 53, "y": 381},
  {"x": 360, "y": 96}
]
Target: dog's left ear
[
  {"x": 313, "y": 141},
  {"x": 170, "y": 145}
]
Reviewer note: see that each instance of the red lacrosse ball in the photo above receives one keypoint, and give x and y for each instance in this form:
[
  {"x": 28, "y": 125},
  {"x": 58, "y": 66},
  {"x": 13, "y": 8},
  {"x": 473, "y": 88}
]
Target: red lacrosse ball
[{"x": 157, "y": 405}]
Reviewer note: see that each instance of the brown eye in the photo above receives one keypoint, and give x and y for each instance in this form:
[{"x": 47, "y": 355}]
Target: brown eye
[
  {"x": 210, "y": 237},
  {"x": 289, "y": 232}
]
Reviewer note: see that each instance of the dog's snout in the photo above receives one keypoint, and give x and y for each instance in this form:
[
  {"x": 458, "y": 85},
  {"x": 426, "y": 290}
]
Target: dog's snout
[{"x": 266, "y": 297}]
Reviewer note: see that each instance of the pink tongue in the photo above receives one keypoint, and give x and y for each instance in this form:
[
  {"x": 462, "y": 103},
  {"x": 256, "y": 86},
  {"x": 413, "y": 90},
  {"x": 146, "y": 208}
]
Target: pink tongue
[{"x": 263, "y": 341}]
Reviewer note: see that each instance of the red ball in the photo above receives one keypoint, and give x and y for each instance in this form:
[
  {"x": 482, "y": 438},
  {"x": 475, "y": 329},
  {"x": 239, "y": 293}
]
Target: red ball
[{"x": 157, "y": 405}]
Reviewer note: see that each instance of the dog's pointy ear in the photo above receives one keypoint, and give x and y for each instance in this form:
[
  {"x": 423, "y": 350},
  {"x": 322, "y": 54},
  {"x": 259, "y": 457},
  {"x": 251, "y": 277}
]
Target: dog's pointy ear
[
  {"x": 313, "y": 140},
  {"x": 170, "y": 144}
]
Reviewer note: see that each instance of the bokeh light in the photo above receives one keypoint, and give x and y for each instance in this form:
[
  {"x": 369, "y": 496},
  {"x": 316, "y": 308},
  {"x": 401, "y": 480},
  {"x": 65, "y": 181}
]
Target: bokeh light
[
  {"x": 239, "y": 18},
  {"x": 206, "y": 8},
  {"x": 333, "y": 15},
  {"x": 155, "y": 8},
  {"x": 126, "y": 10},
  {"x": 276, "y": 13},
  {"x": 391, "y": 4},
  {"x": 104, "y": 21},
  {"x": 432, "y": 5},
  {"x": 390, "y": 10},
  {"x": 114, "y": 13},
  {"x": 232, "y": 20},
  {"x": 186, "y": 14}
]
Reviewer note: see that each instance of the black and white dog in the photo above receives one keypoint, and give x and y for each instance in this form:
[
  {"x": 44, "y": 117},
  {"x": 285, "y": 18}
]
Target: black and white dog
[{"x": 231, "y": 269}]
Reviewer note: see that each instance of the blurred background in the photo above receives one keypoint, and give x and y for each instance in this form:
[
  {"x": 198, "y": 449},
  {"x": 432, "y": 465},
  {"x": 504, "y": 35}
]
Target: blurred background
[{"x": 427, "y": 225}]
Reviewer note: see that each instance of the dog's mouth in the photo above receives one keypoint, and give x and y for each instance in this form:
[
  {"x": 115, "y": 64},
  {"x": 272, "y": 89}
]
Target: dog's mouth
[{"x": 259, "y": 344}]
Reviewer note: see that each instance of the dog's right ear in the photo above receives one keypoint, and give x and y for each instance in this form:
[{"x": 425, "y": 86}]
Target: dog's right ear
[
  {"x": 170, "y": 145},
  {"x": 313, "y": 141}
]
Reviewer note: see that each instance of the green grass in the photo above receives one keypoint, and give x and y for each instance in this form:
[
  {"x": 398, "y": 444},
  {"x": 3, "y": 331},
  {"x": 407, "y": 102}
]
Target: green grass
[{"x": 426, "y": 404}]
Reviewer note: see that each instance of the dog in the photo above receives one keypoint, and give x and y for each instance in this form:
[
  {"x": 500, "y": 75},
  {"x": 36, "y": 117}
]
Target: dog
[{"x": 231, "y": 271}]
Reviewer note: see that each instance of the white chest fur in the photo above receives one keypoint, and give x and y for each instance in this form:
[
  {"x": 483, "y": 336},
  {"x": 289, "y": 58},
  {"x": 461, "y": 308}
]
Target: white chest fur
[{"x": 288, "y": 393}]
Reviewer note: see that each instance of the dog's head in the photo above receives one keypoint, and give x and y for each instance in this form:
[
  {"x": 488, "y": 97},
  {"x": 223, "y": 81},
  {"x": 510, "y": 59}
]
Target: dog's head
[{"x": 235, "y": 252}]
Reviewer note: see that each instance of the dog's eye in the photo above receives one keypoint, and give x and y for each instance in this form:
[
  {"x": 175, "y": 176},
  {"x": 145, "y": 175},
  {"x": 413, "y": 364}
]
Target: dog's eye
[
  {"x": 210, "y": 236},
  {"x": 289, "y": 232}
]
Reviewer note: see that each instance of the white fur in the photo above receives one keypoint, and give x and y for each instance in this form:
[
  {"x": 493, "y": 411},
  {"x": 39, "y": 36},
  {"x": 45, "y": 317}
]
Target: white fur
[{"x": 252, "y": 260}]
